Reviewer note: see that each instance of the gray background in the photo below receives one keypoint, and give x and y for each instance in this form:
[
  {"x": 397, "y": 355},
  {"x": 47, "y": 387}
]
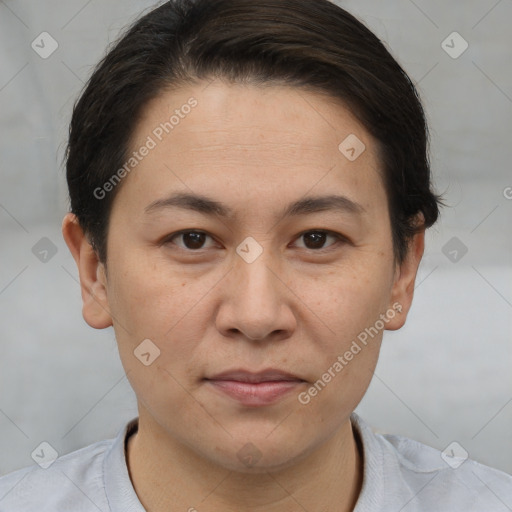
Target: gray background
[{"x": 445, "y": 376}]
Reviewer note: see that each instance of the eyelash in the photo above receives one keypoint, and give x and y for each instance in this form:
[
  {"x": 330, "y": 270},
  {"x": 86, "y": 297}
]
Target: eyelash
[{"x": 340, "y": 239}]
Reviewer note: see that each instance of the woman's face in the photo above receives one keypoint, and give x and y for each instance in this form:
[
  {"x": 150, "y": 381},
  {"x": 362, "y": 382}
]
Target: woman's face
[{"x": 255, "y": 285}]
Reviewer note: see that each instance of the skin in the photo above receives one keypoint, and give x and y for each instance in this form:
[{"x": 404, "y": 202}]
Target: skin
[{"x": 297, "y": 307}]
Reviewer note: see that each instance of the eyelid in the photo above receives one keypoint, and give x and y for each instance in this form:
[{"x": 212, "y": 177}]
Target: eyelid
[
  {"x": 167, "y": 239},
  {"x": 340, "y": 239}
]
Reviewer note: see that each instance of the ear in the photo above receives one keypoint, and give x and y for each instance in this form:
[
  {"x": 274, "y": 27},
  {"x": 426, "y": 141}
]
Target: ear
[
  {"x": 95, "y": 310},
  {"x": 404, "y": 281}
]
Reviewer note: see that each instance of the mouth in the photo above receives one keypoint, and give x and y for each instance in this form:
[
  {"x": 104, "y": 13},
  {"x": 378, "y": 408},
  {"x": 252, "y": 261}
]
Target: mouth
[{"x": 255, "y": 389}]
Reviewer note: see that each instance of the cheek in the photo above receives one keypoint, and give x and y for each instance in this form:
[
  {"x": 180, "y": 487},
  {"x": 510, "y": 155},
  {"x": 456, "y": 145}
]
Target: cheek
[
  {"x": 346, "y": 342},
  {"x": 351, "y": 296},
  {"x": 160, "y": 304},
  {"x": 148, "y": 306},
  {"x": 141, "y": 292},
  {"x": 341, "y": 386}
]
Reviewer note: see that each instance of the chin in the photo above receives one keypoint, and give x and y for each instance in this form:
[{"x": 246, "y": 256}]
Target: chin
[{"x": 264, "y": 456}]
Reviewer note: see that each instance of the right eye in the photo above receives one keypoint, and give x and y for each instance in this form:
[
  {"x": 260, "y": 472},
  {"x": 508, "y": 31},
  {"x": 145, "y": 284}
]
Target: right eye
[{"x": 192, "y": 240}]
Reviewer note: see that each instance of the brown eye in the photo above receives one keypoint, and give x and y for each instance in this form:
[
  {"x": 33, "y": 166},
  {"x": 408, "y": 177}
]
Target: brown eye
[
  {"x": 191, "y": 240},
  {"x": 315, "y": 239}
]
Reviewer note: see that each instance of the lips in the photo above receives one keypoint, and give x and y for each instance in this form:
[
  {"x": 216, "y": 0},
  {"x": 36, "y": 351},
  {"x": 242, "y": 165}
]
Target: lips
[
  {"x": 270, "y": 375},
  {"x": 255, "y": 389}
]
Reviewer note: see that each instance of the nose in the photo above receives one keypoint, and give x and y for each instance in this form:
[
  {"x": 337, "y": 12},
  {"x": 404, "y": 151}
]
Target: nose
[{"x": 257, "y": 303}]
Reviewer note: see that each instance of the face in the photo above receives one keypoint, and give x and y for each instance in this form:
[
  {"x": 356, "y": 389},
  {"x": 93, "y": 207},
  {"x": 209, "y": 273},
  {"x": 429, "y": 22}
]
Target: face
[{"x": 243, "y": 283}]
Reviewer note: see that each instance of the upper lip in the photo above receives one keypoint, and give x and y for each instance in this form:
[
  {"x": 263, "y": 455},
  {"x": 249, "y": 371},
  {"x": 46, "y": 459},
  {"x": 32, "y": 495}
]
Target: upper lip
[{"x": 262, "y": 376}]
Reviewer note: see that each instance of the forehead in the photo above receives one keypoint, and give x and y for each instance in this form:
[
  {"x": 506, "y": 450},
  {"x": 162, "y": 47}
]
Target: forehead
[{"x": 267, "y": 143}]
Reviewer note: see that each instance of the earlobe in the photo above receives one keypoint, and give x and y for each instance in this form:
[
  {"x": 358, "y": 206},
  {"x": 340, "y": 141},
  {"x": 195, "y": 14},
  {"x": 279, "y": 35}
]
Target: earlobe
[
  {"x": 95, "y": 310},
  {"x": 405, "y": 280}
]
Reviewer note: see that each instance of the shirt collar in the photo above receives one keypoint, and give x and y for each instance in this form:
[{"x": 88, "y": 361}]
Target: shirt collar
[
  {"x": 371, "y": 494},
  {"x": 121, "y": 495}
]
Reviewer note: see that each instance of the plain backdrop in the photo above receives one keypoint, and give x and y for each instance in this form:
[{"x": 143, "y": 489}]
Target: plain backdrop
[{"x": 446, "y": 376}]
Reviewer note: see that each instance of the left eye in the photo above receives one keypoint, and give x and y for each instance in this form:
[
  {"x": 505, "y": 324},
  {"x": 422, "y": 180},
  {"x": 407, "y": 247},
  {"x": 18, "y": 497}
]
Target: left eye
[
  {"x": 194, "y": 240},
  {"x": 316, "y": 238}
]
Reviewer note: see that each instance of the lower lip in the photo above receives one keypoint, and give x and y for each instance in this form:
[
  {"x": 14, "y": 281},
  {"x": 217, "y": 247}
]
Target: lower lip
[{"x": 255, "y": 393}]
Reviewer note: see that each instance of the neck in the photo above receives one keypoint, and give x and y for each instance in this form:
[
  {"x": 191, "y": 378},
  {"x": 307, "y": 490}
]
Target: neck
[{"x": 165, "y": 472}]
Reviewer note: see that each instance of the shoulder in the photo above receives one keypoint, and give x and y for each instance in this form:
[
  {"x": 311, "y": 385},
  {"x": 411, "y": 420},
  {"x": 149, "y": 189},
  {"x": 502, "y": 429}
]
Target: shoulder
[
  {"x": 451, "y": 479},
  {"x": 75, "y": 479},
  {"x": 421, "y": 478}
]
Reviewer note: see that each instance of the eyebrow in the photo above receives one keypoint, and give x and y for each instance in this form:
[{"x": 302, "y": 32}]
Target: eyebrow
[{"x": 209, "y": 206}]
